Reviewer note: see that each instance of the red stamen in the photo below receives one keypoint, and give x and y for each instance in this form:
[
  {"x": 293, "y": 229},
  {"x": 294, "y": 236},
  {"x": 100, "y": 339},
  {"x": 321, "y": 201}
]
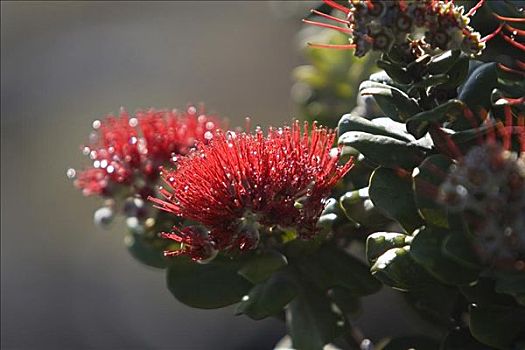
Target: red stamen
[
  {"x": 521, "y": 124},
  {"x": 336, "y": 6},
  {"x": 513, "y": 42},
  {"x": 447, "y": 145},
  {"x": 510, "y": 70},
  {"x": 515, "y": 31},
  {"x": 509, "y": 19},
  {"x": 329, "y": 26},
  {"x": 492, "y": 35},
  {"x": 332, "y": 46},
  {"x": 332, "y": 18},
  {"x": 475, "y": 8}
]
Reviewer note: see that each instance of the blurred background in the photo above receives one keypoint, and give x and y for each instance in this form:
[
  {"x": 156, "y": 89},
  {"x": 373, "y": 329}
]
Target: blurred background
[{"x": 66, "y": 284}]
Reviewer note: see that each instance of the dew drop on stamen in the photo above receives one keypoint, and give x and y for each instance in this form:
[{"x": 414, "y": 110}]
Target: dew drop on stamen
[
  {"x": 208, "y": 135},
  {"x": 71, "y": 173},
  {"x": 110, "y": 169},
  {"x": 133, "y": 122},
  {"x": 96, "y": 164},
  {"x": 96, "y": 124},
  {"x": 86, "y": 150},
  {"x": 192, "y": 110}
]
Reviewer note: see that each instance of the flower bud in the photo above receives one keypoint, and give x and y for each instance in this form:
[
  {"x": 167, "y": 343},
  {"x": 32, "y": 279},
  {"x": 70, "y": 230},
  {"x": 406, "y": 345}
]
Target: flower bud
[{"x": 103, "y": 216}]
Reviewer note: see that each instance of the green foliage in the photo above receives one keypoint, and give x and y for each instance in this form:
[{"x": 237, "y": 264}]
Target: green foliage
[
  {"x": 269, "y": 297},
  {"x": 261, "y": 266},
  {"x": 206, "y": 286},
  {"x": 391, "y": 191},
  {"x": 498, "y": 326},
  {"x": 311, "y": 321},
  {"x": 427, "y": 178},
  {"x": 326, "y": 87},
  {"x": 147, "y": 250}
]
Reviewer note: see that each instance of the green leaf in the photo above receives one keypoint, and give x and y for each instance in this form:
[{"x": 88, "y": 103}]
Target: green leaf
[
  {"x": 483, "y": 293},
  {"x": 395, "y": 130},
  {"x": 206, "y": 286},
  {"x": 426, "y": 250},
  {"x": 261, "y": 266},
  {"x": 427, "y": 180},
  {"x": 461, "y": 340},
  {"x": 347, "y": 271},
  {"x": 448, "y": 111},
  {"x": 497, "y": 326},
  {"x": 383, "y": 150},
  {"x": 458, "y": 247},
  {"x": 512, "y": 283},
  {"x": 391, "y": 191},
  {"x": 395, "y": 103},
  {"x": 149, "y": 251},
  {"x": 269, "y": 297},
  {"x": 330, "y": 267},
  {"x": 358, "y": 207},
  {"x": 429, "y": 81},
  {"x": 396, "y": 72},
  {"x": 310, "y": 320},
  {"x": 457, "y": 73},
  {"x": 476, "y": 92},
  {"x": 379, "y": 242},
  {"x": 435, "y": 303},
  {"x": 397, "y": 269},
  {"x": 345, "y": 300},
  {"x": 443, "y": 63}
]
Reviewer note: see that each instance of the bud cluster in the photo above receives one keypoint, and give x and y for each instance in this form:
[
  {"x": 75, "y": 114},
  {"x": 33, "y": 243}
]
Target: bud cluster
[
  {"x": 488, "y": 186},
  {"x": 414, "y": 26}
]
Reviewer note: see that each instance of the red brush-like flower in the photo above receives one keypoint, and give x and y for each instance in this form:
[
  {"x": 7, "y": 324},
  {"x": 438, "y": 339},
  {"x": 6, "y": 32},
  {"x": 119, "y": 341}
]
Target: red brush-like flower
[
  {"x": 241, "y": 185},
  {"x": 127, "y": 150}
]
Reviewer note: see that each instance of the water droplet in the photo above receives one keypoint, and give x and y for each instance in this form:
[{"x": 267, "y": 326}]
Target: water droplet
[
  {"x": 192, "y": 110},
  {"x": 110, "y": 169},
  {"x": 208, "y": 135},
  {"x": 133, "y": 122},
  {"x": 103, "y": 163},
  {"x": 210, "y": 125},
  {"x": 133, "y": 140},
  {"x": 96, "y": 163},
  {"x": 96, "y": 124},
  {"x": 71, "y": 173}
]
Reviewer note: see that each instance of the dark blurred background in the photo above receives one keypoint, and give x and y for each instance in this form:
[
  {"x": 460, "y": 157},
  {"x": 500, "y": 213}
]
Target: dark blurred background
[{"x": 66, "y": 284}]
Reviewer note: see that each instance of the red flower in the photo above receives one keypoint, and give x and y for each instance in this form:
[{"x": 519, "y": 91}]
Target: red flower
[
  {"x": 241, "y": 184},
  {"x": 128, "y": 150}
]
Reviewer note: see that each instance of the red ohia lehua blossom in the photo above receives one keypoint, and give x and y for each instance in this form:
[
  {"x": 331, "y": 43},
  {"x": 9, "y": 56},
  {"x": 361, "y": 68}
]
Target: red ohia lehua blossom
[
  {"x": 126, "y": 150},
  {"x": 246, "y": 184}
]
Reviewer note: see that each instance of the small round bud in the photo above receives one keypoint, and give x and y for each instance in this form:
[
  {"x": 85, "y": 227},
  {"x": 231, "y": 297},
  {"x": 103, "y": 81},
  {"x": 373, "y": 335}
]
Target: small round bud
[
  {"x": 134, "y": 206},
  {"x": 103, "y": 216},
  {"x": 134, "y": 225}
]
